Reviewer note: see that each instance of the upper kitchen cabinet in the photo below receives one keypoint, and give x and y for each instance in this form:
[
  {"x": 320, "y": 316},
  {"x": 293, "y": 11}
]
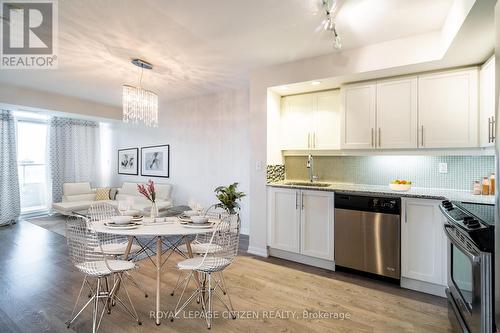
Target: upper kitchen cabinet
[
  {"x": 326, "y": 122},
  {"x": 396, "y": 113},
  {"x": 296, "y": 121},
  {"x": 448, "y": 109},
  {"x": 487, "y": 121},
  {"x": 310, "y": 121},
  {"x": 358, "y": 116}
]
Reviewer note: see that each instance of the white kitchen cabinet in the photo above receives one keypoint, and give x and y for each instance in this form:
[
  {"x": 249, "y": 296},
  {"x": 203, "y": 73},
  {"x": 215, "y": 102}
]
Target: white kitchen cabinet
[
  {"x": 423, "y": 242},
  {"x": 448, "y": 109},
  {"x": 487, "y": 121},
  {"x": 326, "y": 122},
  {"x": 358, "y": 116},
  {"x": 301, "y": 222},
  {"x": 311, "y": 121},
  {"x": 316, "y": 224},
  {"x": 296, "y": 121},
  {"x": 284, "y": 217},
  {"x": 396, "y": 113}
]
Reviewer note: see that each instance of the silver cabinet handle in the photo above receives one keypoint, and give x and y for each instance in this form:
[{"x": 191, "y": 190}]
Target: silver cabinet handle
[
  {"x": 422, "y": 137},
  {"x": 379, "y": 138},
  {"x": 302, "y": 200},
  {"x": 296, "y": 200},
  {"x": 493, "y": 128},
  {"x": 489, "y": 130},
  {"x": 372, "y": 137}
]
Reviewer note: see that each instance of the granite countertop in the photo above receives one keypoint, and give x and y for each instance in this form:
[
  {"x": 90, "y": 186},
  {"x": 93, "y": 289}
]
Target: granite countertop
[{"x": 414, "y": 192}]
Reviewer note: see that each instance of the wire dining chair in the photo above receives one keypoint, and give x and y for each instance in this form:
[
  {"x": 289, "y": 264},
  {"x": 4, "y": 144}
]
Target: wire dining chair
[
  {"x": 225, "y": 241},
  {"x": 113, "y": 245},
  {"x": 199, "y": 246},
  {"x": 82, "y": 244}
]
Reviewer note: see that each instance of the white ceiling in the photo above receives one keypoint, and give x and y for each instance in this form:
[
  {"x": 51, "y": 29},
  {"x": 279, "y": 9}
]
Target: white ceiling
[{"x": 200, "y": 46}]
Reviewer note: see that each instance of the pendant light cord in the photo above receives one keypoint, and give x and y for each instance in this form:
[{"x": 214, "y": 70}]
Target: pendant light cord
[{"x": 140, "y": 79}]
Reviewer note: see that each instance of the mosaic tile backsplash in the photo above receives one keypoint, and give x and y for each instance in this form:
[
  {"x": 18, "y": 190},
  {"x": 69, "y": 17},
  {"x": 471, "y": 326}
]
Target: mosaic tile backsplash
[
  {"x": 275, "y": 173},
  {"x": 423, "y": 171}
]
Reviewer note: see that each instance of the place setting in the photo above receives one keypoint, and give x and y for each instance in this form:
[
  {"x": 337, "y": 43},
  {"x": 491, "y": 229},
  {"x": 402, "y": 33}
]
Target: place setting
[
  {"x": 194, "y": 219},
  {"x": 124, "y": 222}
]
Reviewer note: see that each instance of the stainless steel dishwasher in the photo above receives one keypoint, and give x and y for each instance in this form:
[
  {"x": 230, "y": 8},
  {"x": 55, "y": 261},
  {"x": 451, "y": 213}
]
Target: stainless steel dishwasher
[{"x": 367, "y": 234}]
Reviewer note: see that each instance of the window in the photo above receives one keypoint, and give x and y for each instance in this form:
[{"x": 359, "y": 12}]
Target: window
[{"x": 32, "y": 168}]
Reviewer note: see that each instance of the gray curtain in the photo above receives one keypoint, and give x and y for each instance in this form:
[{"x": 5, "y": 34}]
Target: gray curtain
[
  {"x": 10, "y": 199},
  {"x": 73, "y": 153}
]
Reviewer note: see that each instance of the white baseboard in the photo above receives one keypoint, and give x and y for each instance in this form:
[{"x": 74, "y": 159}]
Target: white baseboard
[
  {"x": 317, "y": 262},
  {"x": 424, "y": 287},
  {"x": 258, "y": 251}
]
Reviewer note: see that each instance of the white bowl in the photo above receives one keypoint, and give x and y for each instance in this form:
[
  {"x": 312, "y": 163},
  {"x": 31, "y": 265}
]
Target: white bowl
[
  {"x": 122, "y": 219},
  {"x": 400, "y": 187},
  {"x": 191, "y": 212},
  {"x": 199, "y": 219}
]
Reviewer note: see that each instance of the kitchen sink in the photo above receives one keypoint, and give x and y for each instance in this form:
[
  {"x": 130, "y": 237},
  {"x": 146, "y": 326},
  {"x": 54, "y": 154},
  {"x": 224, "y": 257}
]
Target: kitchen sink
[{"x": 314, "y": 184}]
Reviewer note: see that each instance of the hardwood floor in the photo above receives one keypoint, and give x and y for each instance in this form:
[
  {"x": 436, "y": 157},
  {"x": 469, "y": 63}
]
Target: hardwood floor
[{"x": 39, "y": 285}]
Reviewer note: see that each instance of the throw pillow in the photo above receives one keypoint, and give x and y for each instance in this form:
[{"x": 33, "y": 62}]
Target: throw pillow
[
  {"x": 102, "y": 193},
  {"x": 112, "y": 193}
]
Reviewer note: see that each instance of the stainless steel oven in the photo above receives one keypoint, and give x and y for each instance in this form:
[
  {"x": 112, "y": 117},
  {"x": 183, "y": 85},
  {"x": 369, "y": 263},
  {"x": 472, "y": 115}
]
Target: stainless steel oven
[
  {"x": 470, "y": 268},
  {"x": 469, "y": 283}
]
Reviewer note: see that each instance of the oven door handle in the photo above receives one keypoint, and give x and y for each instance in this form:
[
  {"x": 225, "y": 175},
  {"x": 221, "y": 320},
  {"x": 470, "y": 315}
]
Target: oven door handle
[{"x": 472, "y": 257}]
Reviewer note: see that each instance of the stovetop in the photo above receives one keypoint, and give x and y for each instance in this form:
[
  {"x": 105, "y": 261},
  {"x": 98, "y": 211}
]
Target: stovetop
[
  {"x": 484, "y": 212},
  {"x": 475, "y": 221}
]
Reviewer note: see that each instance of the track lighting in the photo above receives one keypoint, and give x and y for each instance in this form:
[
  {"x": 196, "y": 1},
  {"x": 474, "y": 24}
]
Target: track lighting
[{"x": 329, "y": 23}]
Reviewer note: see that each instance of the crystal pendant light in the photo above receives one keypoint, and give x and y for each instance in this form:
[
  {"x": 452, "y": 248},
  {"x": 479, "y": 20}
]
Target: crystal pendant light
[{"x": 140, "y": 105}]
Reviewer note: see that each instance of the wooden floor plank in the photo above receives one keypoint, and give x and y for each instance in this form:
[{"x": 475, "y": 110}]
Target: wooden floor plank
[{"x": 38, "y": 286}]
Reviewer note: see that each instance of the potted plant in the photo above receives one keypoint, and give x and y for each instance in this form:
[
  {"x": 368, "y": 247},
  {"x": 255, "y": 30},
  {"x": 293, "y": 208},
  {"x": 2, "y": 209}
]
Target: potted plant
[
  {"x": 228, "y": 198},
  {"x": 149, "y": 192}
]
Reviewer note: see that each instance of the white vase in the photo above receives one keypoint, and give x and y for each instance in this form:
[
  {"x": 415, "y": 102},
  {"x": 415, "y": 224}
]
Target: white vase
[{"x": 154, "y": 210}]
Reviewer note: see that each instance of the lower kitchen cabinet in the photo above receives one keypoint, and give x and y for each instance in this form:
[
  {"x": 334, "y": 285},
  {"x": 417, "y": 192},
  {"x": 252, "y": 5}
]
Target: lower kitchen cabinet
[
  {"x": 316, "y": 224},
  {"x": 423, "y": 246},
  {"x": 301, "y": 221},
  {"x": 284, "y": 218}
]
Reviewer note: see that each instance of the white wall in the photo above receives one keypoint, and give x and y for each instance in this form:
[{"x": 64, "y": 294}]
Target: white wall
[
  {"x": 35, "y": 100},
  {"x": 209, "y": 146}
]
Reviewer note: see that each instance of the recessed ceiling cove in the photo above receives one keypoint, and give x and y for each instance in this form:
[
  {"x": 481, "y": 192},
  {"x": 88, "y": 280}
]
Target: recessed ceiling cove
[{"x": 199, "y": 47}]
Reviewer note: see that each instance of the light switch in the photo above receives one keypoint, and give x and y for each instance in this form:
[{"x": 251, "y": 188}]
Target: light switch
[{"x": 443, "y": 167}]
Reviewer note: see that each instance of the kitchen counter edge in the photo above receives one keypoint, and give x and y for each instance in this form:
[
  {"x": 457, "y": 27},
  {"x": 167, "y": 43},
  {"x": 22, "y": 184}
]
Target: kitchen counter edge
[{"x": 417, "y": 193}]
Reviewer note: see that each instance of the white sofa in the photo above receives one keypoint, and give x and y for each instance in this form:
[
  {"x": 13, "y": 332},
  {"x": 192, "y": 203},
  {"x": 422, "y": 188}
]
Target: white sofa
[{"x": 79, "y": 196}]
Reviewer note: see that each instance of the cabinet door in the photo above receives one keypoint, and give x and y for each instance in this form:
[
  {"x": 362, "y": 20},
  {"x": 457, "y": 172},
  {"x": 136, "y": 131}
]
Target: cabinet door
[
  {"x": 316, "y": 234},
  {"x": 397, "y": 113},
  {"x": 326, "y": 133},
  {"x": 448, "y": 109},
  {"x": 487, "y": 103},
  {"x": 296, "y": 121},
  {"x": 284, "y": 219},
  {"x": 423, "y": 242},
  {"x": 358, "y": 116}
]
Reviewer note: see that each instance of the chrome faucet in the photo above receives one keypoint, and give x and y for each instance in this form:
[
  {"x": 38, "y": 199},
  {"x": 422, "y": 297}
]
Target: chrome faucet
[{"x": 310, "y": 168}]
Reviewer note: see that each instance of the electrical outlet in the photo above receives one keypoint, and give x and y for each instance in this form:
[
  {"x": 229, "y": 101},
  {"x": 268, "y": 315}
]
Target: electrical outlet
[
  {"x": 443, "y": 167},
  {"x": 258, "y": 166}
]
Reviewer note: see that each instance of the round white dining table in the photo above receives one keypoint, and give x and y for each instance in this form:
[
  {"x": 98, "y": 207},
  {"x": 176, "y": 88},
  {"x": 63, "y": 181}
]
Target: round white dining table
[{"x": 157, "y": 230}]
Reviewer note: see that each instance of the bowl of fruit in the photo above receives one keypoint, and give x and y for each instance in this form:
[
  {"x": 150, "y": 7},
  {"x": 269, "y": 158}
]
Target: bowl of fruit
[{"x": 400, "y": 185}]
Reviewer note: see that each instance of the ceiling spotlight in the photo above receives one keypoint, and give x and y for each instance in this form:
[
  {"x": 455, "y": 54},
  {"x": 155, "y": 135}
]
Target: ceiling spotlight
[
  {"x": 285, "y": 88},
  {"x": 316, "y": 83}
]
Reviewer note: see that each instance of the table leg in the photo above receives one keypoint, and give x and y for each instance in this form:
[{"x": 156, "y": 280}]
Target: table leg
[
  {"x": 129, "y": 247},
  {"x": 190, "y": 254},
  {"x": 158, "y": 277},
  {"x": 125, "y": 256}
]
